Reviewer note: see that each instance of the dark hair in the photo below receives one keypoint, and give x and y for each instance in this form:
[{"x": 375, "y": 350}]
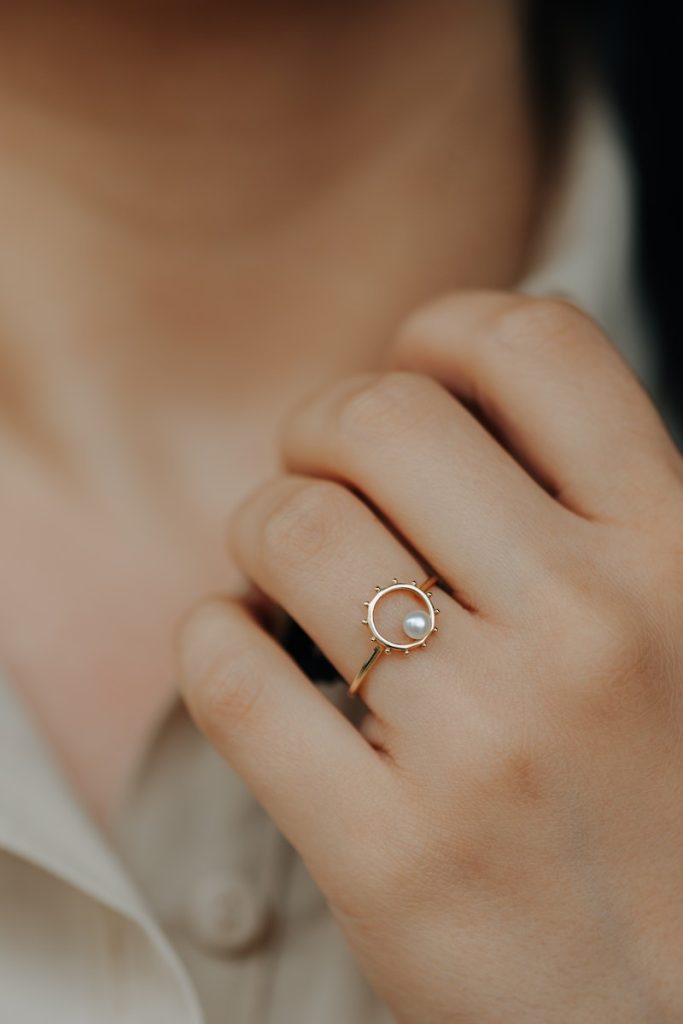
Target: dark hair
[{"x": 635, "y": 53}]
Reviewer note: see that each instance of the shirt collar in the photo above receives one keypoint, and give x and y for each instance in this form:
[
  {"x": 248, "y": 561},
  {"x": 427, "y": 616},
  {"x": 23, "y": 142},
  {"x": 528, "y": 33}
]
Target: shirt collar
[
  {"x": 40, "y": 818},
  {"x": 42, "y": 823}
]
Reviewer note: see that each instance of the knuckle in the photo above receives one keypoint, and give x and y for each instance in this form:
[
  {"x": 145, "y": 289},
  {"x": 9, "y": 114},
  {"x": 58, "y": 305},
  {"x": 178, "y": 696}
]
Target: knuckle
[
  {"x": 305, "y": 522},
  {"x": 227, "y": 691},
  {"x": 611, "y": 653},
  {"x": 508, "y": 776},
  {"x": 474, "y": 857},
  {"x": 519, "y": 774},
  {"x": 514, "y": 764},
  {"x": 613, "y": 674},
  {"x": 657, "y": 563},
  {"x": 419, "y": 328},
  {"x": 611, "y": 638},
  {"x": 533, "y": 325},
  {"x": 397, "y": 866},
  {"x": 379, "y": 865},
  {"x": 389, "y": 405}
]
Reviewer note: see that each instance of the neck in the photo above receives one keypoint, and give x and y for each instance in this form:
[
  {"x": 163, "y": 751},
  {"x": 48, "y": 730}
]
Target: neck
[
  {"x": 204, "y": 216},
  {"x": 217, "y": 191}
]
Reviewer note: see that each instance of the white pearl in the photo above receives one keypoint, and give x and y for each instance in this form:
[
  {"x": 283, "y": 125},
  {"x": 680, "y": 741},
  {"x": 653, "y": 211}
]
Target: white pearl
[{"x": 416, "y": 625}]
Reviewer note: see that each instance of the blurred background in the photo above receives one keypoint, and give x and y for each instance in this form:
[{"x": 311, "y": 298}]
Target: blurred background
[{"x": 636, "y": 46}]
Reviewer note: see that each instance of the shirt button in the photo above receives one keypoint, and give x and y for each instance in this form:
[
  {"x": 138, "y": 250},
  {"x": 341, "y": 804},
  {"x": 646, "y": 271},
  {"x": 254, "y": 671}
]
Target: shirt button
[{"x": 225, "y": 915}]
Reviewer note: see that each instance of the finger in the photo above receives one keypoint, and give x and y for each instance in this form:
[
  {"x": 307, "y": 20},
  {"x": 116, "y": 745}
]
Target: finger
[
  {"x": 317, "y": 550},
  {"x": 551, "y": 384},
  {"x": 437, "y": 475},
  {"x": 316, "y": 776}
]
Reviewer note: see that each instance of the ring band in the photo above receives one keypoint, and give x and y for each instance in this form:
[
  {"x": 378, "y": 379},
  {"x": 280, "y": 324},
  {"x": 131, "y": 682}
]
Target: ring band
[{"x": 418, "y": 626}]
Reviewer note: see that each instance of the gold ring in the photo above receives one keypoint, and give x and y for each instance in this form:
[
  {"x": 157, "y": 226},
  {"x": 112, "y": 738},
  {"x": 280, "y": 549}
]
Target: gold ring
[{"x": 417, "y": 625}]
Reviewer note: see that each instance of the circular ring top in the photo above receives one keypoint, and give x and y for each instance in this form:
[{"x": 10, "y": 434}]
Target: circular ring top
[{"x": 411, "y": 588}]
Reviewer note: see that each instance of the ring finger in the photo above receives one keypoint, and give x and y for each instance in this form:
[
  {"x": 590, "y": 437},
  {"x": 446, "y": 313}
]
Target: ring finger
[{"x": 318, "y": 551}]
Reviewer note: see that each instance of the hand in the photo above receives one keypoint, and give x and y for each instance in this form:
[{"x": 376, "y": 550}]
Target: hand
[{"x": 502, "y": 840}]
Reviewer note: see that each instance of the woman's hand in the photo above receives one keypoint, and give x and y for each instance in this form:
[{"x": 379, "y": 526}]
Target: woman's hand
[{"x": 502, "y": 841}]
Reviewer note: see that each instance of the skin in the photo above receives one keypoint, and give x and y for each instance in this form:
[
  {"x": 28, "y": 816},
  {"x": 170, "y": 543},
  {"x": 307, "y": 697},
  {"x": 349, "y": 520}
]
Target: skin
[
  {"x": 208, "y": 212},
  {"x": 501, "y": 840}
]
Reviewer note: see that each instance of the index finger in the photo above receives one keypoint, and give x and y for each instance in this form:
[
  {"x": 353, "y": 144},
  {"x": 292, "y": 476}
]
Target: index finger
[{"x": 321, "y": 782}]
